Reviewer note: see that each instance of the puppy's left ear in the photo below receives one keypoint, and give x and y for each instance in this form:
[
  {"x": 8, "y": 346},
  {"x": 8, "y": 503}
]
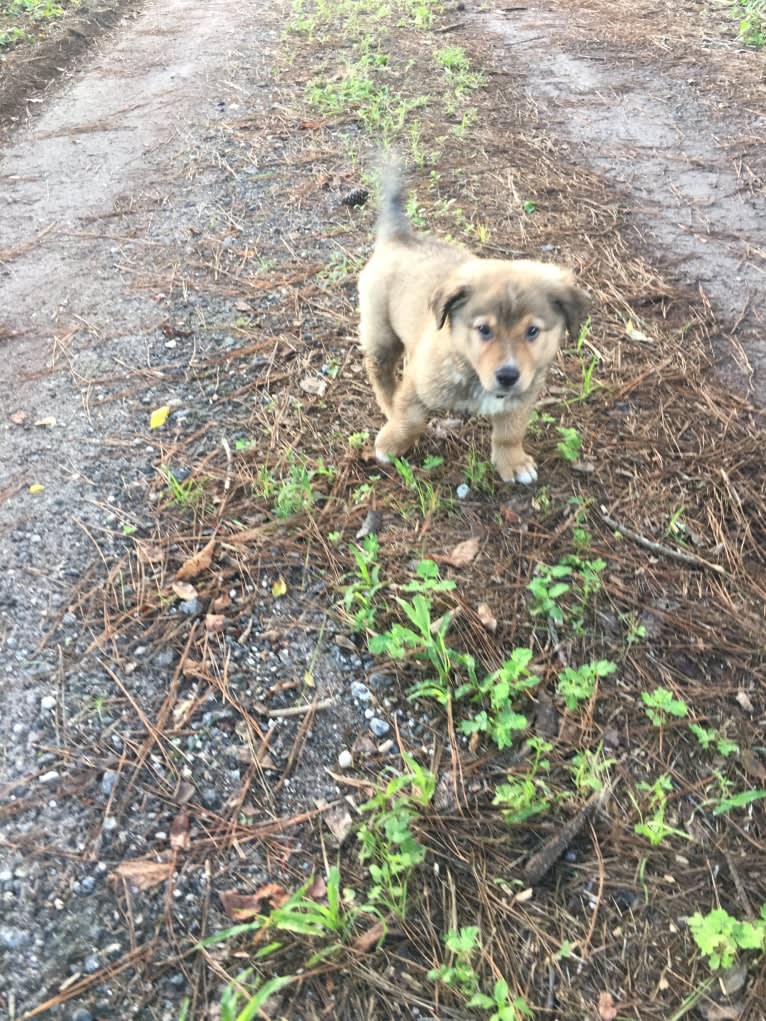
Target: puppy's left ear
[{"x": 573, "y": 303}]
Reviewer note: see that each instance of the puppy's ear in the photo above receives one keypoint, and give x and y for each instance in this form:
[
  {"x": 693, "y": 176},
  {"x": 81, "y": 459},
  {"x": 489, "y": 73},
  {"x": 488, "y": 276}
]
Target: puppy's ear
[
  {"x": 573, "y": 303},
  {"x": 447, "y": 299}
]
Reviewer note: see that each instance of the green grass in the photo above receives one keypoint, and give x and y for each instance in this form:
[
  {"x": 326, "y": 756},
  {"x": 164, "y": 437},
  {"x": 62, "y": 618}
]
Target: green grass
[
  {"x": 751, "y": 15},
  {"x": 21, "y": 20}
]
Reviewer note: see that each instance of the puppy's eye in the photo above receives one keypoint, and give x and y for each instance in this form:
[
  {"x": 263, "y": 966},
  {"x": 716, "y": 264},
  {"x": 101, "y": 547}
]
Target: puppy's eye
[
  {"x": 485, "y": 331},
  {"x": 531, "y": 332}
]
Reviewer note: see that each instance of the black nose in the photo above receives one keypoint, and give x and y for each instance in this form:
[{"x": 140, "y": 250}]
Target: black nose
[{"x": 507, "y": 375}]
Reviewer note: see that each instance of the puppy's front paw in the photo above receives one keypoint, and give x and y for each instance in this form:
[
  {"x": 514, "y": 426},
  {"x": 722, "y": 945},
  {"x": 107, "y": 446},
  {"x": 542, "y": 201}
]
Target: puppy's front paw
[
  {"x": 522, "y": 469},
  {"x": 381, "y": 455}
]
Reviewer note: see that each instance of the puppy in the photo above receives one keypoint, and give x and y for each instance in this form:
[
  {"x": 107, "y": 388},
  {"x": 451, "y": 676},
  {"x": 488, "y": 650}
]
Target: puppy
[{"x": 477, "y": 335}]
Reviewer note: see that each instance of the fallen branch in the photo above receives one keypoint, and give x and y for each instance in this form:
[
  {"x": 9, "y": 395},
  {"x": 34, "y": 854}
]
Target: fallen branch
[{"x": 658, "y": 548}]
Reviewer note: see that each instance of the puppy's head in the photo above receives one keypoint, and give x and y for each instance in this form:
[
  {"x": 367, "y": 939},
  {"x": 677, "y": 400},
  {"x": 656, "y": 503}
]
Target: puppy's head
[{"x": 507, "y": 319}]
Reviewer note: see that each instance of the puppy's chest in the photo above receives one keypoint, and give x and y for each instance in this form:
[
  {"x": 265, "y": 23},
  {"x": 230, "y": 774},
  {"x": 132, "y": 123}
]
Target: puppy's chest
[{"x": 469, "y": 397}]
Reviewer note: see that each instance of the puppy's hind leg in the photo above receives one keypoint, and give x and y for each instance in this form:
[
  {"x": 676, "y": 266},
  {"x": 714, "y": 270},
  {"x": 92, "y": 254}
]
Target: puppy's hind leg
[{"x": 383, "y": 352}]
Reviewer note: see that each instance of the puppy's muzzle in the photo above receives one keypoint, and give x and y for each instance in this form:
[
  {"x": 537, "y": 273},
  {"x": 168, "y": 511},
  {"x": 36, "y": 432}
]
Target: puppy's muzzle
[{"x": 507, "y": 376}]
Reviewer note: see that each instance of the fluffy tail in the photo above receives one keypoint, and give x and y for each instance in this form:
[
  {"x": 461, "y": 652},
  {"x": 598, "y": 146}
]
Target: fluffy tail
[{"x": 392, "y": 224}]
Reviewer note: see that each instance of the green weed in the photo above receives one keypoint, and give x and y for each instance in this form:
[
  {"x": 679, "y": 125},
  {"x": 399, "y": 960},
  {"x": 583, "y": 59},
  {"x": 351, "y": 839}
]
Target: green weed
[
  {"x": 660, "y": 705},
  {"x": 359, "y": 599},
  {"x": 184, "y": 492},
  {"x": 386, "y": 838},
  {"x": 652, "y": 824},
  {"x": 709, "y": 737},
  {"x": 752, "y": 22},
  {"x": 290, "y": 486},
  {"x": 521, "y": 797},
  {"x": 720, "y": 936},
  {"x": 577, "y": 684},
  {"x": 570, "y": 444}
]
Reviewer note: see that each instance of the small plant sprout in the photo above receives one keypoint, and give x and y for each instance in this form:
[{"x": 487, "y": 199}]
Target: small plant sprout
[
  {"x": 709, "y": 737},
  {"x": 499, "y": 689},
  {"x": 360, "y": 596},
  {"x": 634, "y": 632},
  {"x": 660, "y": 705},
  {"x": 460, "y": 974},
  {"x": 546, "y": 588},
  {"x": 590, "y": 769},
  {"x": 578, "y": 684},
  {"x": 528, "y": 794},
  {"x": 652, "y": 824},
  {"x": 529, "y": 207},
  {"x": 357, "y": 440},
  {"x": 570, "y": 443},
  {"x": 720, "y": 936}
]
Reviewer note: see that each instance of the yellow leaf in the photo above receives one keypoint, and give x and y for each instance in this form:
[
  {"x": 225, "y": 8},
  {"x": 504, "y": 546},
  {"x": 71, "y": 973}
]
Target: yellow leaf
[
  {"x": 48, "y": 422},
  {"x": 36, "y": 488},
  {"x": 159, "y": 417},
  {"x": 308, "y": 679},
  {"x": 279, "y": 588}
]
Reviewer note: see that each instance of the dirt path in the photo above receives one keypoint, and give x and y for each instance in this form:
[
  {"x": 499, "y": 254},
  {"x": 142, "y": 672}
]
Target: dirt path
[
  {"x": 159, "y": 220},
  {"x": 683, "y": 144}
]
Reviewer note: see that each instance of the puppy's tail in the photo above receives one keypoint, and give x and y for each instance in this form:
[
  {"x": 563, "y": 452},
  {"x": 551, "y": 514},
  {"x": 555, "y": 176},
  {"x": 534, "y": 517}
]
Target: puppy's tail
[{"x": 392, "y": 224}]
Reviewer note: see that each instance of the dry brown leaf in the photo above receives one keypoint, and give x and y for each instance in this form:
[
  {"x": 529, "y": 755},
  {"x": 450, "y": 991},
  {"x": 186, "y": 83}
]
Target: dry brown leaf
[
  {"x": 510, "y": 516},
  {"x": 184, "y": 590},
  {"x": 148, "y": 553},
  {"x": 214, "y": 622},
  {"x": 339, "y": 822},
  {"x": 317, "y": 888},
  {"x": 744, "y": 701},
  {"x": 222, "y": 602},
  {"x": 180, "y": 840},
  {"x": 19, "y": 417},
  {"x": 607, "y": 1011},
  {"x": 753, "y": 766},
  {"x": 241, "y": 906},
  {"x": 314, "y": 385},
  {"x": 464, "y": 553},
  {"x": 197, "y": 564},
  {"x": 141, "y": 874},
  {"x": 367, "y": 940},
  {"x": 487, "y": 617}
]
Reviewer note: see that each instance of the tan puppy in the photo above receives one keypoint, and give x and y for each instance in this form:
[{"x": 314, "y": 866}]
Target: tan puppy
[{"x": 477, "y": 335}]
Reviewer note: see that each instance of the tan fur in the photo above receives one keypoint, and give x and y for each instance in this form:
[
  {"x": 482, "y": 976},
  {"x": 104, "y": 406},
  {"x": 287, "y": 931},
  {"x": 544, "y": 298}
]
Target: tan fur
[{"x": 423, "y": 301}]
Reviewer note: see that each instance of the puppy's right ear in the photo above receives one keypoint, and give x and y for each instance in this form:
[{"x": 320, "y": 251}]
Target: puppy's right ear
[{"x": 447, "y": 299}]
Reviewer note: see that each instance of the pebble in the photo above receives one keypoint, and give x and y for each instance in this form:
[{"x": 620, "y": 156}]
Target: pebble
[
  {"x": 108, "y": 780},
  {"x": 49, "y": 777},
  {"x": 462, "y": 491},
  {"x": 91, "y": 964},
  {"x": 209, "y": 797},
  {"x": 191, "y": 607},
  {"x": 87, "y": 885},
  {"x": 360, "y": 692},
  {"x": 377, "y": 680},
  {"x": 14, "y": 939},
  {"x": 81, "y": 1014},
  {"x": 379, "y": 727},
  {"x": 345, "y": 759},
  {"x": 47, "y": 702}
]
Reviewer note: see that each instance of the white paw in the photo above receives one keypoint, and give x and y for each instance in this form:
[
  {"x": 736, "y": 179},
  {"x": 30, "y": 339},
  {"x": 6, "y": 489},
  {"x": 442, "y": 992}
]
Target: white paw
[
  {"x": 526, "y": 475},
  {"x": 382, "y": 456}
]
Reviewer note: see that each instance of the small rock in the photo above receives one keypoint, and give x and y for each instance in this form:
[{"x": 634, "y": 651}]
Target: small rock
[
  {"x": 209, "y": 797},
  {"x": 14, "y": 939},
  {"x": 376, "y": 680},
  {"x": 108, "y": 780},
  {"x": 360, "y": 692},
  {"x": 91, "y": 964},
  {"x": 81, "y": 1014},
  {"x": 87, "y": 885},
  {"x": 47, "y": 702},
  {"x": 379, "y": 727},
  {"x": 345, "y": 759},
  {"x": 191, "y": 607},
  {"x": 462, "y": 491},
  {"x": 49, "y": 777}
]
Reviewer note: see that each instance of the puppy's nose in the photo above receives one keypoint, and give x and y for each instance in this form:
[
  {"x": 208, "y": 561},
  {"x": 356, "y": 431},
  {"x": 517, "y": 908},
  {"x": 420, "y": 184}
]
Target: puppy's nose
[{"x": 507, "y": 376}]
